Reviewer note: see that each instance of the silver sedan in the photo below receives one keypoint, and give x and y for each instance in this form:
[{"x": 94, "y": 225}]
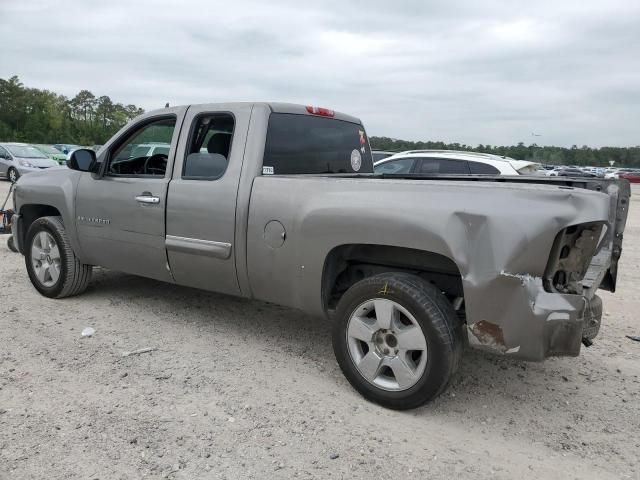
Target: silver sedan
[{"x": 16, "y": 159}]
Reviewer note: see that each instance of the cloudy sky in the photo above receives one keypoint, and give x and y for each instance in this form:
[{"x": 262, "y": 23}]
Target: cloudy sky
[{"x": 468, "y": 71}]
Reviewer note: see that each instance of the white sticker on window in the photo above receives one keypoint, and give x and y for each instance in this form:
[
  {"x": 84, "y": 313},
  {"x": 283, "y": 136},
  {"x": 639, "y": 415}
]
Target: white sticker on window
[
  {"x": 356, "y": 160},
  {"x": 267, "y": 170}
]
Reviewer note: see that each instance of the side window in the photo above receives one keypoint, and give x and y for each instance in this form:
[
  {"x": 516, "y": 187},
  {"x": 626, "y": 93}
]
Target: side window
[
  {"x": 145, "y": 151},
  {"x": 207, "y": 157},
  {"x": 4, "y": 153},
  {"x": 483, "y": 169},
  {"x": 396, "y": 166},
  {"x": 443, "y": 166}
]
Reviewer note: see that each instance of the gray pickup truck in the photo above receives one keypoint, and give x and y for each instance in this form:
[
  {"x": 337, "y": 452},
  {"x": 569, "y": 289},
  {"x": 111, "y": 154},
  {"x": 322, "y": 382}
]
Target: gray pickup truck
[{"x": 279, "y": 203}]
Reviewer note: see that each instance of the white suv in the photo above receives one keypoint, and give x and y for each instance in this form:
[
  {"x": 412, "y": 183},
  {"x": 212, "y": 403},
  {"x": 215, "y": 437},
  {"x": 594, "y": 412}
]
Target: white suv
[{"x": 451, "y": 162}]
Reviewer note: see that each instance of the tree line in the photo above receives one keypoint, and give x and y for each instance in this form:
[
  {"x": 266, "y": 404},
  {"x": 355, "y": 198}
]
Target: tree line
[
  {"x": 32, "y": 115},
  {"x": 39, "y": 116},
  {"x": 622, "y": 156}
]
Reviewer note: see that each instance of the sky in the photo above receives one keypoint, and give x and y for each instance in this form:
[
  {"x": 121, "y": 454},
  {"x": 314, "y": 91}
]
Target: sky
[{"x": 551, "y": 72}]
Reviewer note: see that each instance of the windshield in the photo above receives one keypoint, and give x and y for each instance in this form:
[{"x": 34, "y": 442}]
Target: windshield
[
  {"x": 25, "y": 151},
  {"x": 48, "y": 149}
]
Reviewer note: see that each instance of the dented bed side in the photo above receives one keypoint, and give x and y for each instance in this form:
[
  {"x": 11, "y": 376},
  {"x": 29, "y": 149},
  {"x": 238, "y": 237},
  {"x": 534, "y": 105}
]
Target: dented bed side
[{"x": 499, "y": 235}]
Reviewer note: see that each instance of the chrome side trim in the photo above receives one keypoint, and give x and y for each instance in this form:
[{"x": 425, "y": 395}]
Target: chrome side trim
[{"x": 196, "y": 246}]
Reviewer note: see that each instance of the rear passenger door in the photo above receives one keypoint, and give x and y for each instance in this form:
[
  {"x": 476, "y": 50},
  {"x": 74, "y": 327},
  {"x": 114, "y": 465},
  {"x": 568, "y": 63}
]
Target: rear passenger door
[
  {"x": 202, "y": 196},
  {"x": 442, "y": 166}
]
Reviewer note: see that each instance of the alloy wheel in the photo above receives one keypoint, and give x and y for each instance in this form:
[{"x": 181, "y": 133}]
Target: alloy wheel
[
  {"x": 45, "y": 258},
  {"x": 386, "y": 344}
]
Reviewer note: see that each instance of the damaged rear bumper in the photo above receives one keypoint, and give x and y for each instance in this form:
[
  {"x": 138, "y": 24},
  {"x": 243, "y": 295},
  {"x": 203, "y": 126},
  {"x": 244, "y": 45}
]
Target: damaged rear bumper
[{"x": 551, "y": 324}]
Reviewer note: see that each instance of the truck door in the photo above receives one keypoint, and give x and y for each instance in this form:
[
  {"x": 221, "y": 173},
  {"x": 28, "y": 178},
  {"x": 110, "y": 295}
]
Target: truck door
[
  {"x": 201, "y": 202},
  {"x": 120, "y": 214}
]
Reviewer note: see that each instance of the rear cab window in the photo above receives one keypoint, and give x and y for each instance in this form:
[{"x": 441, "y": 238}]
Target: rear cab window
[{"x": 305, "y": 144}]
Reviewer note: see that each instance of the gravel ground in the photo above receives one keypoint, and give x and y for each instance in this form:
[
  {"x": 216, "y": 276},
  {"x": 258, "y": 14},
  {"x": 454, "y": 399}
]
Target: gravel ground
[{"x": 241, "y": 389}]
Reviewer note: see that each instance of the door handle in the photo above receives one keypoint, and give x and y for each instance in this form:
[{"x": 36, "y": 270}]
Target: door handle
[{"x": 147, "y": 198}]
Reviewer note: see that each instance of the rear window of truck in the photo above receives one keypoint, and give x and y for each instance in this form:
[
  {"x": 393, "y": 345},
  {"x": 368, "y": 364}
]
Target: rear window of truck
[{"x": 305, "y": 144}]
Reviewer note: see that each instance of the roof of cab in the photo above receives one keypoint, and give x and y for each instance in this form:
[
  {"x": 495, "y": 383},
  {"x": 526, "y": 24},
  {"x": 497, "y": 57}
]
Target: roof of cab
[{"x": 276, "y": 107}]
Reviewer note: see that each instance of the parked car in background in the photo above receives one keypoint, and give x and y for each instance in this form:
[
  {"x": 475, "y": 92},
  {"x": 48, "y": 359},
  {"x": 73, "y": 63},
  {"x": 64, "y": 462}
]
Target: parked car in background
[
  {"x": 148, "y": 149},
  {"x": 16, "y": 159},
  {"x": 380, "y": 154},
  {"x": 450, "y": 162},
  {"x": 66, "y": 148},
  {"x": 52, "y": 152},
  {"x": 633, "y": 177},
  {"x": 575, "y": 172}
]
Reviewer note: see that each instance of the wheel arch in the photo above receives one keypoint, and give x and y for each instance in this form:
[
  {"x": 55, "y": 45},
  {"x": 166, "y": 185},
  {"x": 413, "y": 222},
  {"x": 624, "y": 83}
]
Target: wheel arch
[
  {"x": 347, "y": 264},
  {"x": 29, "y": 213}
]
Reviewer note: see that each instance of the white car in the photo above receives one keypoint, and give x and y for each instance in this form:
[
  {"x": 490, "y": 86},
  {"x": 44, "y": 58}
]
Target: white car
[
  {"x": 451, "y": 162},
  {"x": 611, "y": 174}
]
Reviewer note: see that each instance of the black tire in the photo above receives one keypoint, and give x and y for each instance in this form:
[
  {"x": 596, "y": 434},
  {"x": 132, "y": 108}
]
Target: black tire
[
  {"x": 11, "y": 245},
  {"x": 437, "y": 320},
  {"x": 13, "y": 175},
  {"x": 74, "y": 275}
]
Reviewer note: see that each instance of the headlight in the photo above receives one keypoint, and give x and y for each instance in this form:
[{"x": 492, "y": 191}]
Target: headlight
[
  {"x": 571, "y": 255},
  {"x": 25, "y": 163}
]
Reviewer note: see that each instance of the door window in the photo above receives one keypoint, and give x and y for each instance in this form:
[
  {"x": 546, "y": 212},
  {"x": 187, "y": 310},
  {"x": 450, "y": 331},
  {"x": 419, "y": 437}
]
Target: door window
[
  {"x": 483, "y": 169},
  {"x": 403, "y": 165},
  {"x": 448, "y": 166},
  {"x": 4, "y": 154},
  {"x": 207, "y": 157},
  {"x": 145, "y": 151}
]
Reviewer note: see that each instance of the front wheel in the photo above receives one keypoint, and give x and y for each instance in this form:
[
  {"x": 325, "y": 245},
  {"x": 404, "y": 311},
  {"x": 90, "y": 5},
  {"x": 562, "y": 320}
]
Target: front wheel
[
  {"x": 53, "y": 268},
  {"x": 397, "y": 339}
]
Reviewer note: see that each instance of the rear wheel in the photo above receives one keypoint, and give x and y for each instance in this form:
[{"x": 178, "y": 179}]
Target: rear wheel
[
  {"x": 53, "y": 268},
  {"x": 397, "y": 339},
  {"x": 13, "y": 175}
]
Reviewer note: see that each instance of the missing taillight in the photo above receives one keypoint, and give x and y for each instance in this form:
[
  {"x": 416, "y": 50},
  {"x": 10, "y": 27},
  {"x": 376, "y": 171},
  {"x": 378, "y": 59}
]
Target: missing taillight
[{"x": 571, "y": 255}]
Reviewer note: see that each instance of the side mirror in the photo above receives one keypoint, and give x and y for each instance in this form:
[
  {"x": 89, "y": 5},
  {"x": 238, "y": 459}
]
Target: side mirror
[{"x": 82, "y": 160}]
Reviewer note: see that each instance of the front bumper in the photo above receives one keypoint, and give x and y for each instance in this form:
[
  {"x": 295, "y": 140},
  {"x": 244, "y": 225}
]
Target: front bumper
[{"x": 536, "y": 324}]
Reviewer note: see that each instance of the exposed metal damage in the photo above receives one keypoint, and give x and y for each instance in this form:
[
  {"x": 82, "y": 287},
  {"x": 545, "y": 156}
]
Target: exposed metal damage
[{"x": 488, "y": 336}]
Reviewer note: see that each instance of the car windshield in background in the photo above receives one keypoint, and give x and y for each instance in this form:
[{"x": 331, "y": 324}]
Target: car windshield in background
[
  {"x": 304, "y": 144},
  {"x": 161, "y": 151},
  {"x": 48, "y": 149},
  {"x": 140, "y": 152},
  {"x": 25, "y": 151}
]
